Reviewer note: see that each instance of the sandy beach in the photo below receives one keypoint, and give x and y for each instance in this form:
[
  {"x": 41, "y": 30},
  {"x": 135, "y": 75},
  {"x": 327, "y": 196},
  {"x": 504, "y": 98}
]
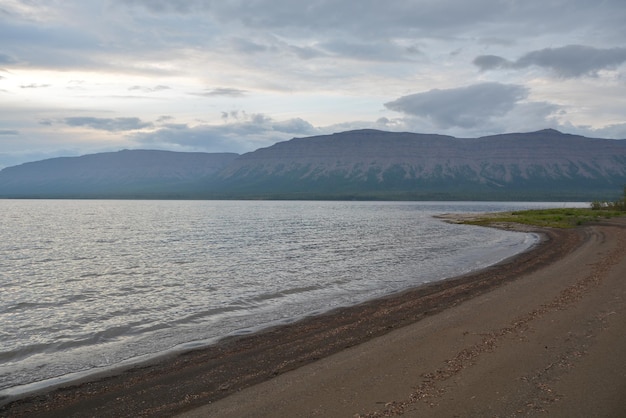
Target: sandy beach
[{"x": 541, "y": 334}]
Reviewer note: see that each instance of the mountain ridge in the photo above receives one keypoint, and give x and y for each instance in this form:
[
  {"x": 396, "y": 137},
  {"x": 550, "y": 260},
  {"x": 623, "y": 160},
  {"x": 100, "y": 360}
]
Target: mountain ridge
[
  {"x": 120, "y": 173},
  {"x": 363, "y": 164},
  {"x": 425, "y": 164}
]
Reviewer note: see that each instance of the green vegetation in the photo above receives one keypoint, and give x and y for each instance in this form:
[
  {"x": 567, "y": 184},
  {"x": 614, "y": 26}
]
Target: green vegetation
[{"x": 555, "y": 218}]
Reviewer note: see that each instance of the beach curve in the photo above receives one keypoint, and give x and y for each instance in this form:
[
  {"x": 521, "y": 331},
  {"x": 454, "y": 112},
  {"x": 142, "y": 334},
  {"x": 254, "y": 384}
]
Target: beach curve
[{"x": 416, "y": 353}]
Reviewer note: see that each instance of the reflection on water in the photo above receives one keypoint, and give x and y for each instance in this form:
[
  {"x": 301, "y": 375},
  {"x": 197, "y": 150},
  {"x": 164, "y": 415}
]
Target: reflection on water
[{"x": 88, "y": 284}]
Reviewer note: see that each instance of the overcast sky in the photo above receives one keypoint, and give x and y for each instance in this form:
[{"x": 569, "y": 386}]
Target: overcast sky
[{"x": 83, "y": 76}]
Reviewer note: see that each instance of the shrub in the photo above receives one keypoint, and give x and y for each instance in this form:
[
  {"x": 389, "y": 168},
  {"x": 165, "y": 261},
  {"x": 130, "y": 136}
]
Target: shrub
[{"x": 618, "y": 205}]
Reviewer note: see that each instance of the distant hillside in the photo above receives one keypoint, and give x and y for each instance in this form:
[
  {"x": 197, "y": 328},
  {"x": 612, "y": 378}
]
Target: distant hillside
[
  {"x": 367, "y": 163},
  {"x": 363, "y": 164},
  {"x": 124, "y": 174}
]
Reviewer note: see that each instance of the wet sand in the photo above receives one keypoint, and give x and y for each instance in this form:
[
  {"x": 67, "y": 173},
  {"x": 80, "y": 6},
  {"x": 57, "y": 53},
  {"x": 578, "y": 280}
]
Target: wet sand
[{"x": 540, "y": 334}]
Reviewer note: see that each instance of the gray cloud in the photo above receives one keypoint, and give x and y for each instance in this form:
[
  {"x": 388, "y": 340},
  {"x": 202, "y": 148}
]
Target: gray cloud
[
  {"x": 413, "y": 18},
  {"x": 491, "y": 62},
  {"x": 567, "y": 61},
  {"x": 34, "y": 86},
  {"x": 204, "y": 138},
  {"x": 108, "y": 124},
  {"x": 323, "y": 59},
  {"x": 257, "y": 27},
  {"x": 7, "y": 59},
  {"x": 465, "y": 107},
  {"x": 307, "y": 52},
  {"x": 35, "y": 44},
  {"x": 617, "y": 130},
  {"x": 525, "y": 116},
  {"x": 164, "y": 6},
  {"x": 221, "y": 91},
  {"x": 149, "y": 89},
  {"x": 369, "y": 51},
  {"x": 296, "y": 126},
  {"x": 272, "y": 45},
  {"x": 243, "y": 132},
  {"x": 247, "y": 46},
  {"x": 8, "y": 132}
]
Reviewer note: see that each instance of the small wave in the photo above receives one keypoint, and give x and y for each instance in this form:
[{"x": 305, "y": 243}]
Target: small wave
[
  {"x": 86, "y": 275},
  {"x": 107, "y": 334},
  {"x": 265, "y": 296},
  {"x": 150, "y": 328},
  {"x": 240, "y": 332},
  {"x": 83, "y": 258},
  {"x": 75, "y": 298},
  {"x": 21, "y": 353},
  {"x": 22, "y": 306},
  {"x": 207, "y": 314},
  {"x": 31, "y": 306},
  {"x": 302, "y": 289},
  {"x": 45, "y": 260},
  {"x": 24, "y": 352},
  {"x": 282, "y": 293}
]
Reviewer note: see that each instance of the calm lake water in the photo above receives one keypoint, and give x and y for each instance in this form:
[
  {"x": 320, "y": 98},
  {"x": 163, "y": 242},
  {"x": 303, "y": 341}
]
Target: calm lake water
[{"x": 90, "y": 284}]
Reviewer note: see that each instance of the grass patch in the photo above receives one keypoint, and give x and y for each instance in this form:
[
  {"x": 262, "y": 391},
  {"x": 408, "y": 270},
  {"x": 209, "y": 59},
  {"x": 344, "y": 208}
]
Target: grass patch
[{"x": 554, "y": 218}]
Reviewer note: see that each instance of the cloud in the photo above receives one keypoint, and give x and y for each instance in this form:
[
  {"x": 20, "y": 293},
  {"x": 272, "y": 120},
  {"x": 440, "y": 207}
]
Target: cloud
[
  {"x": 247, "y": 46},
  {"x": 306, "y": 52},
  {"x": 149, "y": 89},
  {"x": 617, "y": 130},
  {"x": 465, "y": 107},
  {"x": 47, "y": 45},
  {"x": 296, "y": 126},
  {"x": 162, "y": 6},
  {"x": 369, "y": 51},
  {"x": 34, "y": 86},
  {"x": 8, "y": 132},
  {"x": 327, "y": 62},
  {"x": 164, "y": 118},
  {"x": 7, "y": 59},
  {"x": 491, "y": 62},
  {"x": 568, "y": 61},
  {"x": 442, "y": 19},
  {"x": 76, "y": 85},
  {"x": 242, "y": 132},
  {"x": 222, "y": 91},
  {"x": 108, "y": 124}
]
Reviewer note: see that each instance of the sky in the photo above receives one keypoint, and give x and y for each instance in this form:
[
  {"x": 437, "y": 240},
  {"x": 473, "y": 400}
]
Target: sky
[{"x": 85, "y": 76}]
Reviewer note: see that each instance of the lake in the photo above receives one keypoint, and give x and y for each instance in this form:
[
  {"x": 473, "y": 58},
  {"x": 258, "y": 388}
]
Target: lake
[{"x": 91, "y": 284}]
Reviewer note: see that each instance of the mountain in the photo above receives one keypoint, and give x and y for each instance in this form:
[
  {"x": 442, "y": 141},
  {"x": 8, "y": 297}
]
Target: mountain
[
  {"x": 127, "y": 173},
  {"x": 539, "y": 165},
  {"x": 362, "y": 164}
]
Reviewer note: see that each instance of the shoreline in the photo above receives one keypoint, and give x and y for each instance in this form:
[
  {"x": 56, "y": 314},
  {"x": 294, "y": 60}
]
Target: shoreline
[
  {"x": 413, "y": 304},
  {"x": 35, "y": 388},
  {"x": 200, "y": 377}
]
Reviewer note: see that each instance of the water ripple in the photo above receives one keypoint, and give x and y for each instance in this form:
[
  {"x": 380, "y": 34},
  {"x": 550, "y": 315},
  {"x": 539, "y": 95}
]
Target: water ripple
[{"x": 87, "y": 284}]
